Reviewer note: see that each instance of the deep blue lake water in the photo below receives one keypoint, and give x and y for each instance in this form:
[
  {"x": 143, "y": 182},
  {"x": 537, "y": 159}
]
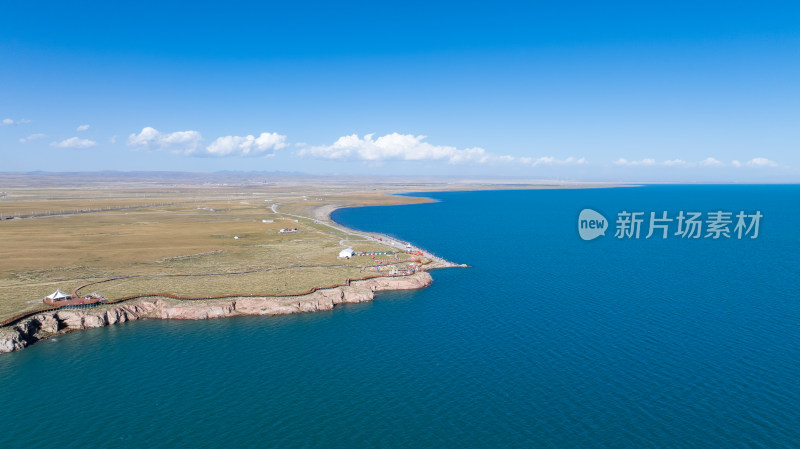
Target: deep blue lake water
[{"x": 546, "y": 341}]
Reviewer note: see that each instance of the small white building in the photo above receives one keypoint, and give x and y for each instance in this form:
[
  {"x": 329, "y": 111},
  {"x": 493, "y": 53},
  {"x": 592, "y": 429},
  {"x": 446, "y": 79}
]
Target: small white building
[{"x": 346, "y": 253}]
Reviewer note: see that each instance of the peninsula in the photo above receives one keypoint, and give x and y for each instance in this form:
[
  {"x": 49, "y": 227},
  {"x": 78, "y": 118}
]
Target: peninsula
[{"x": 196, "y": 246}]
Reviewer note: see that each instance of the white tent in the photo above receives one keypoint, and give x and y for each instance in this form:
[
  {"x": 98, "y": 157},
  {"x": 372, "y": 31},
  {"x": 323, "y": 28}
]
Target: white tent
[
  {"x": 346, "y": 253},
  {"x": 57, "y": 296}
]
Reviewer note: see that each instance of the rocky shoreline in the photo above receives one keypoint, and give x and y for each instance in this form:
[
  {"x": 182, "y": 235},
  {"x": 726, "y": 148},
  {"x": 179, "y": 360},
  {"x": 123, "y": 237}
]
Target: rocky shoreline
[{"x": 57, "y": 322}]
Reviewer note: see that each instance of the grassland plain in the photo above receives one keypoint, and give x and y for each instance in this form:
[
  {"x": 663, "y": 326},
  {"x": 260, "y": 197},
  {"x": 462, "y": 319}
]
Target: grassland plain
[{"x": 191, "y": 235}]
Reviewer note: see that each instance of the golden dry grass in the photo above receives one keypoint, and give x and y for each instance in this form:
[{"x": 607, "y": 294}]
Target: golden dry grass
[
  {"x": 279, "y": 281},
  {"x": 41, "y": 254}
]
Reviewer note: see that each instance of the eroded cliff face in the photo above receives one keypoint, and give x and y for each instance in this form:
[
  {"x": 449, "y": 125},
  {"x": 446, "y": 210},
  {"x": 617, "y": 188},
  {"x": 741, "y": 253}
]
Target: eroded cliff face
[{"x": 48, "y": 324}]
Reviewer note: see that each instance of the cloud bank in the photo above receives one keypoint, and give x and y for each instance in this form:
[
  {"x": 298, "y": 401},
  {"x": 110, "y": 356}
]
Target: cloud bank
[
  {"x": 149, "y": 138},
  {"x": 263, "y": 145},
  {"x": 189, "y": 143},
  {"x": 756, "y": 162},
  {"x": 400, "y": 147},
  {"x": 707, "y": 162},
  {"x": 409, "y": 147},
  {"x": 378, "y": 149},
  {"x": 548, "y": 160}
]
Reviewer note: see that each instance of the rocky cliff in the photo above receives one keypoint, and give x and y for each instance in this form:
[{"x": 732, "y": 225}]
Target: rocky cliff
[{"x": 53, "y": 323}]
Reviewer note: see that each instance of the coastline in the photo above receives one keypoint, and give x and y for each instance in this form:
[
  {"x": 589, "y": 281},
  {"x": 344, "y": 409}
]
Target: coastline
[
  {"x": 49, "y": 324},
  {"x": 41, "y": 325},
  {"x": 322, "y": 215}
]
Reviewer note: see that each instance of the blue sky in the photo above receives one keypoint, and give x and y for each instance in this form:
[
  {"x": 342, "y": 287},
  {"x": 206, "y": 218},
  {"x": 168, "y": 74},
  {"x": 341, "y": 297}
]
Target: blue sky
[{"x": 630, "y": 91}]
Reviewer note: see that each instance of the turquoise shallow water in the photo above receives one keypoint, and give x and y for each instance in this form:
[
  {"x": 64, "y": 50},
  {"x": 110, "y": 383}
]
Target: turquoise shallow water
[{"x": 545, "y": 341}]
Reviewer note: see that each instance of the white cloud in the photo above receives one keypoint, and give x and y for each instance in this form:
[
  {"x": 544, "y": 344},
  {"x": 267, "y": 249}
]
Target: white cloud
[
  {"x": 74, "y": 142},
  {"x": 404, "y": 147},
  {"x": 474, "y": 154},
  {"x": 265, "y": 144},
  {"x": 710, "y": 162},
  {"x": 185, "y": 142},
  {"x": 113, "y": 139},
  {"x": 761, "y": 162},
  {"x": 32, "y": 137},
  {"x": 409, "y": 147},
  {"x": 82, "y": 128},
  {"x": 189, "y": 143},
  {"x": 8, "y": 121},
  {"x": 547, "y": 160},
  {"x": 624, "y": 162},
  {"x": 707, "y": 162},
  {"x": 755, "y": 162},
  {"x": 650, "y": 162}
]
